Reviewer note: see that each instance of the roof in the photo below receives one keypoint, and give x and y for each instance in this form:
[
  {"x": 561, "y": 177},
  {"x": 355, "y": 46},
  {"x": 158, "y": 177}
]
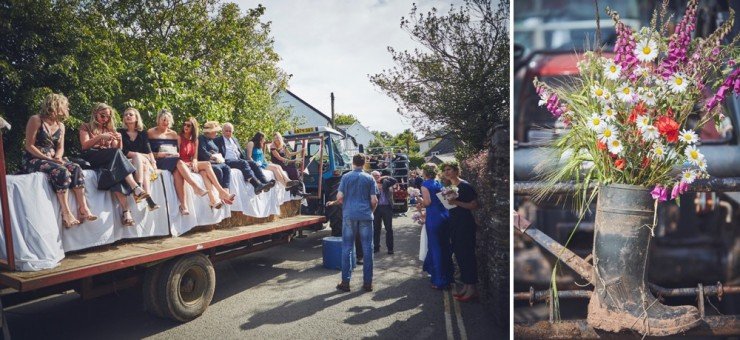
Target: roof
[
  {"x": 444, "y": 146},
  {"x": 433, "y": 135},
  {"x": 328, "y": 119},
  {"x": 442, "y": 158}
]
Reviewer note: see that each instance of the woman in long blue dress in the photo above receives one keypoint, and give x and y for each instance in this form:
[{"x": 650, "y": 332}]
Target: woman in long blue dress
[{"x": 438, "y": 262}]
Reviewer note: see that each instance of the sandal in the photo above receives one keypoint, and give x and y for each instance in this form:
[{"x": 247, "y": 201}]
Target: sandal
[
  {"x": 217, "y": 205},
  {"x": 229, "y": 199},
  {"x": 126, "y": 219},
  {"x": 141, "y": 195},
  {"x": 150, "y": 204},
  {"x": 69, "y": 224},
  {"x": 184, "y": 211},
  {"x": 86, "y": 216}
]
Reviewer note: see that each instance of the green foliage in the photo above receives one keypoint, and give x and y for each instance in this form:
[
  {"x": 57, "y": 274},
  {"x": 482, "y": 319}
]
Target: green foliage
[
  {"x": 344, "y": 119},
  {"x": 416, "y": 161},
  {"x": 460, "y": 80},
  {"x": 196, "y": 57},
  {"x": 406, "y": 139}
]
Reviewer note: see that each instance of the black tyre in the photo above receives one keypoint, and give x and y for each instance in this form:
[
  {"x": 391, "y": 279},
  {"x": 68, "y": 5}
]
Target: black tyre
[
  {"x": 149, "y": 290},
  {"x": 185, "y": 287}
]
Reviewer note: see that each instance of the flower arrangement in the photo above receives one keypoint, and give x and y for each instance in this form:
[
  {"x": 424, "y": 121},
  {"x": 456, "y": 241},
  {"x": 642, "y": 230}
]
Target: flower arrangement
[
  {"x": 413, "y": 192},
  {"x": 450, "y": 192},
  {"x": 418, "y": 217},
  {"x": 632, "y": 118}
]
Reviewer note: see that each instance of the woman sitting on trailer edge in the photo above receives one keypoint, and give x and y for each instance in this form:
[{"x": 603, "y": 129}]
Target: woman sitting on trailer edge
[{"x": 44, "y": 152}]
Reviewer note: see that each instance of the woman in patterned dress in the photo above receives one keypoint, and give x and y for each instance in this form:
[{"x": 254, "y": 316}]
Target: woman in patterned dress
[{"x": 44, "y": 152}]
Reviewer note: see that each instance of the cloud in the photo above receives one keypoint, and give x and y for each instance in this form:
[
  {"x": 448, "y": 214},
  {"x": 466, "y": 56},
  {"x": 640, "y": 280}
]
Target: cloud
[{"x": 332, "y": 46}]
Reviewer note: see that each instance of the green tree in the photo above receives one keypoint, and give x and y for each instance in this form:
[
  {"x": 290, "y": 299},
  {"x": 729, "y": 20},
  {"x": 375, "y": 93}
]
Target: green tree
[
  {"x": 406, "y": 139},
  {"x": 344, "y": 119},
  {"x": 198, "y": 58},
  {"x": 460, "y": 79}
]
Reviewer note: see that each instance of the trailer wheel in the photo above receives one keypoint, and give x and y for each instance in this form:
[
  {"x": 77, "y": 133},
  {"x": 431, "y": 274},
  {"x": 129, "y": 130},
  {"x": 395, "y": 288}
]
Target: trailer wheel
[
  {"x": 151, "y": 277},
  {"x": 185, "y": 287}
]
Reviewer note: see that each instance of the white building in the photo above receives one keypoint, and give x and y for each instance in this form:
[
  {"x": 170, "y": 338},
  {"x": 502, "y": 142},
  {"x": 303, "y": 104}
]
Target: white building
[
  {"x": 308, "y": 115},
  {"x": 360, "y": 133}
]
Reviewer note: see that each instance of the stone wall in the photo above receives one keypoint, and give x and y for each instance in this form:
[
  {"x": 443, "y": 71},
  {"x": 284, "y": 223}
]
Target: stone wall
[{"x": 488, "y": 172}]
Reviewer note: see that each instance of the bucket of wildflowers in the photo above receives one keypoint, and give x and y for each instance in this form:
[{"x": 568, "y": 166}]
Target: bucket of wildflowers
[{"x": 632, "y": 122}]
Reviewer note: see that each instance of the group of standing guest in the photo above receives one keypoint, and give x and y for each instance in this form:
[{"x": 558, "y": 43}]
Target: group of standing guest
[
  {"x": 127, "y": 159},
  {"x": 450, "y": 231}
]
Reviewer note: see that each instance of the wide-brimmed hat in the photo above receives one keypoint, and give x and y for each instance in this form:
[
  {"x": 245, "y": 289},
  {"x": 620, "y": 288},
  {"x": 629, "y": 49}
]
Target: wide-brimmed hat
[{"x": 211, "y": 126}]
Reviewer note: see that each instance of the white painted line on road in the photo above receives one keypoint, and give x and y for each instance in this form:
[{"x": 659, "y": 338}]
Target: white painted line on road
[
  {"x": 460, "y": 323},
  {"x": 448, "y": 315}
]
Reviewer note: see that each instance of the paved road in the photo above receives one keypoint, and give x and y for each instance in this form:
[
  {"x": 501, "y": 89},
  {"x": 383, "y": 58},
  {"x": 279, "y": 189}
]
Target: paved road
[{"x": 279, "y": 293}]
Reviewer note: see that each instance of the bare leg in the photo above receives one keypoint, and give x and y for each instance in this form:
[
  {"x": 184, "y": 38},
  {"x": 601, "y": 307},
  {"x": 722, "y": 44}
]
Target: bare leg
[
  {"x": 181, "y": 193},
  {"x": 278, "y": 171},
  {"x": 183, "y": 170},
  {"x": 82, "y": 206},
  {"x": 122, "y": 200},
  {"x": 210, "y": 176},
  {"x": 67, "y": 217},
  {"x": 146, "y": 177},
  {"x": 209, "y": 185},
  {"x": 138, "y": 163}
]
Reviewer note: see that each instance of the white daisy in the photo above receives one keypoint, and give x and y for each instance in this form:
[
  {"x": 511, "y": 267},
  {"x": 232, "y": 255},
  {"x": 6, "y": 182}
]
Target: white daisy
[
  {"x": 688, "y": 136},
  {"x": 650, "y": 132},
  {"x": 609, "y": 114},
  {"x": 678, "y": 82},
  {"x": 693, "y": 155},
  {"x": 608, "y": 134},
  {"x": 625, "y": 93},
  {"x": 596, "y": 123},
  {"x": 598, "y": 92},
  {"x": 702, "y": 165},
  {"x": 688, "y": 176},
  {"x": 646, "y": 50},
  {"x": 615, "y": 146},
  {"x": 640, "y": 71},
  {"x": 642, "y": 122},
  {"x": 612, "y": 71},
  {"x": 647, "y": 96},
  {"x": 658, "y": 151}
]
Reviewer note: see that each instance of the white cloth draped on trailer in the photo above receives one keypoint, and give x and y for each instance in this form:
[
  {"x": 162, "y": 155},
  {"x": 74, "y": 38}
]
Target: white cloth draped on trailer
[{"x": 40, "y": 241}]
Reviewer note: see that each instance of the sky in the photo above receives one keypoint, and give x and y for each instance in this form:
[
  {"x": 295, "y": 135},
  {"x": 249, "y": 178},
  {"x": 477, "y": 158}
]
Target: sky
[{"x": 332, "y": 46}]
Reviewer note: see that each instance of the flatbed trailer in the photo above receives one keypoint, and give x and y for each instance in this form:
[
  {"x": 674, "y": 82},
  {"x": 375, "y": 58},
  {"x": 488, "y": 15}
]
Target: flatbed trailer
[{"x": 176, "y": 273}]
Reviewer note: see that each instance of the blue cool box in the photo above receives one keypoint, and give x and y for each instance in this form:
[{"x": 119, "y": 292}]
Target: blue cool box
[{"x": 332, "y": 252}]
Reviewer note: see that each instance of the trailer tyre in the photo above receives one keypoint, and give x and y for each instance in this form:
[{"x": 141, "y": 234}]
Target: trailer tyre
[
  {"x": 151, "y": 278},
  {"x": 186, "y": 286}
]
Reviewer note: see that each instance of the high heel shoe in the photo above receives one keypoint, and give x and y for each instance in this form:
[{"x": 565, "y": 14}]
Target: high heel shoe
[
  {"x": 142, "y": 195},
  {"x": 228, "y": 198},
  {"x": 217, "y": 205},
  {"x": 184, "y": 211},
  {"x": 150, "y": 204},
  {"x": 126, "y": 219},
  {"x": 69, "y": 224},
  {"x": 89, "y": 217}
]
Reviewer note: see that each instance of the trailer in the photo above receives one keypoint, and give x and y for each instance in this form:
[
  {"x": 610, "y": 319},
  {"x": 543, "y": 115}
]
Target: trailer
[{"x": 176, "y": 274}]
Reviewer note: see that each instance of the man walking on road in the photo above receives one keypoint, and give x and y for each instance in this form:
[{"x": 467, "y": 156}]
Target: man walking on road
[
  {"x": 358, "y": 195},
  {"x": 383, "y": 215}
]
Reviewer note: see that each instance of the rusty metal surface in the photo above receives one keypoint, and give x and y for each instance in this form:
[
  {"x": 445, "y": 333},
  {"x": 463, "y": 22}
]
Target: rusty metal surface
[
  {"x": 575, "y": 262},
  {"x": 715, "y": 184},
  {"x": 717, "y": 290},
  {"x": 579, "y": 329}
]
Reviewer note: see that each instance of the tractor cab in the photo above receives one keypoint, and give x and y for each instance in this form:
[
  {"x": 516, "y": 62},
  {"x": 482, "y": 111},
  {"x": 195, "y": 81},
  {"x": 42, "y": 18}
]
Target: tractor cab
[{"x": 323, "y": 163}]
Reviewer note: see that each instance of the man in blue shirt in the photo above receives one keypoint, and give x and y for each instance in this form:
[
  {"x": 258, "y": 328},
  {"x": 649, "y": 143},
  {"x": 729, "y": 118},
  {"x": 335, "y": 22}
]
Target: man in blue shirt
[{"x": 358, "y": 195}]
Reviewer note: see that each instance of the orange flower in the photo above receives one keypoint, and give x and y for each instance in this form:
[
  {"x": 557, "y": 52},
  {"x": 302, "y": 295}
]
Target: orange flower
[
  {"x": 668, "y": 128},
  {"x": 645, "y": 163},
  {"x": 639, "y": 109},
  {"x": 620, "y": 163},
  {"x": 601, "y": 145}
]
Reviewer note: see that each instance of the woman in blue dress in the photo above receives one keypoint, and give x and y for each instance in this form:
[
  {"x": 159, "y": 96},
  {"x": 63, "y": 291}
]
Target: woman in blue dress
[{"x": 438, "y": 262}]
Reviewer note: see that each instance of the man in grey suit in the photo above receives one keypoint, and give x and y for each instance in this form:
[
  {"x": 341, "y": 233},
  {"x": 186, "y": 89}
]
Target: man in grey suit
[{"x": 236, "y": 158}]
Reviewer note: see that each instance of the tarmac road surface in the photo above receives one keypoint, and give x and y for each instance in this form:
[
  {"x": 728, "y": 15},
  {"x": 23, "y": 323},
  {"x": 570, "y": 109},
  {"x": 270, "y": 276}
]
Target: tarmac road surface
[{"x": 280, "y": 293}]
